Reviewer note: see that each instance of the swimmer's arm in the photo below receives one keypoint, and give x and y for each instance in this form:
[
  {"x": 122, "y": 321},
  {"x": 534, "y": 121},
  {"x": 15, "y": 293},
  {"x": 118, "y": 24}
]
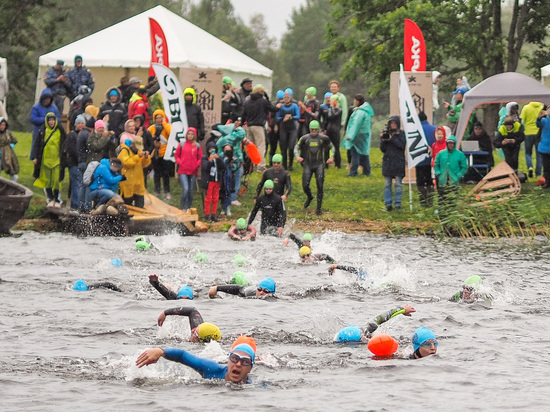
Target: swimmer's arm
[
  {"x": 231, "y": 233},
  {"x": 296, "y": 240},
  {"x": 350, "y": 269},
  {"x": 104, "y": 285},
  {"x": 205, "y": 367},
  {"x": 163, "y": 290},
  {"x": 195, "y": 318},
  {"x": 252, "y": 230},
  {"x": 325, "y": 257},
  {"x": 384, "y": 317},
  {"x": 231, "y": 289},
  {"x": 456, "y": 297}
]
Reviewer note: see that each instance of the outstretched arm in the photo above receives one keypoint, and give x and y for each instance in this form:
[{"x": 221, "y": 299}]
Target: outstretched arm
[
  {"x": 163, "y": 290},
  {"x": 104, "y": 285},
  {"x": 384, "y": 317},
  {"x": 195, "y": 318}
]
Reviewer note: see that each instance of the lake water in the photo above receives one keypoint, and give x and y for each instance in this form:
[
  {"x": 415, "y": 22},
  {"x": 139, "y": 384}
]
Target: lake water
[{"x": 63, "y": 349}]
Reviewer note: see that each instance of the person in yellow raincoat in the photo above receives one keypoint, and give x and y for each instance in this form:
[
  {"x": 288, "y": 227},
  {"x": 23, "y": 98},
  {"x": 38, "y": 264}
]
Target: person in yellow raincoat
[
  {"x": 133, "y": 159},
  {"x": 163, "y": 169},
  {"x": 48, "y": 168}
]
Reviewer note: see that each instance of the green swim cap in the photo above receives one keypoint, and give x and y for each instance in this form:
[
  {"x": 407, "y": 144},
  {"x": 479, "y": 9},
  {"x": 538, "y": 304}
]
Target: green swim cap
[
  {"x": 314, "y": 124},
  {"x": 474, "y": 281},
  {"x": 239, "y": 278},
  {"x": 268, "y": 184},
  {"x": 241, "y": 223},
  {"x": 312, "y": 91},
  {"x": 307, "y": 236},
  {"x": 239, "y": 260},
  {"x": 277, "y": 158},
  {"x": 201, "y": 258},
  {"x": 226, "y": 80},
  {"x": 142, "y": 245}
]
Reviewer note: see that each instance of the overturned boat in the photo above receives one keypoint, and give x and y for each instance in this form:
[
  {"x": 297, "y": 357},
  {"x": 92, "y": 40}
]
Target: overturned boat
[{"x": 14, "y": 202}]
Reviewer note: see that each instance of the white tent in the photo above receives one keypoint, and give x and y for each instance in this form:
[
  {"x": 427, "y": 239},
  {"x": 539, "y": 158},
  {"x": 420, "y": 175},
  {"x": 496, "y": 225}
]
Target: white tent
[
  {"x": 124, "y": 49},
  {"x": 544, "y": 73}
]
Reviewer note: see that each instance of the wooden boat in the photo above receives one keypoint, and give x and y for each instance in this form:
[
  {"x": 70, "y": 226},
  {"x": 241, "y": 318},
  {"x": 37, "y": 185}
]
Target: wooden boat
[
  {"x": 501, "y": 181},
  {"x": 14, "y": 202}
]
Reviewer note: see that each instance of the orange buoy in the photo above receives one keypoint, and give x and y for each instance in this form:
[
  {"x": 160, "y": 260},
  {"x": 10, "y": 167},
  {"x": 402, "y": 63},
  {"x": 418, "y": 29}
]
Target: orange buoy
[
  {"x": 245, "y": 339},
  {"x": 253, "y": 153},
  {"x": 383, "y": 345}
]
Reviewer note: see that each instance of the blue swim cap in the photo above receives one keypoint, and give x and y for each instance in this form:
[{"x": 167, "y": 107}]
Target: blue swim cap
[
  {"x": 349, "y": 334},
  {"x": 280, "y": 94},
  {"x": 289, "y": 91},
  {"x": 80, "y": 286},
  {"x": 246, "y": 348},
  {"x": 328, "y": 94},
  {"x": 185, "y": 291},
  {"x": 116, "y": 262},
  {"x": 268, "y": 284},
  {"x": 422, "y": 334}
]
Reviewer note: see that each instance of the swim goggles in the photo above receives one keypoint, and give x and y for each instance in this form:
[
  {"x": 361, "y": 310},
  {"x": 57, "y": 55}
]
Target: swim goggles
[
  {"x": 428, "y": 343},
  {"x": 245, "y": 361},
  {"x": 264, "y": 290}
]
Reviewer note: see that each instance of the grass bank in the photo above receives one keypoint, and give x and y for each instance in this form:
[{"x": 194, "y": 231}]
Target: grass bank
[{"x": 356, "y": 205}]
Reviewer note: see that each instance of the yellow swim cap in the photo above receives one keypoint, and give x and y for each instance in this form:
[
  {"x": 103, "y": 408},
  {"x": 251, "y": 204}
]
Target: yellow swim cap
[
  {"x": 304, "y": 250},
  {"x": 209, "y": 331}
]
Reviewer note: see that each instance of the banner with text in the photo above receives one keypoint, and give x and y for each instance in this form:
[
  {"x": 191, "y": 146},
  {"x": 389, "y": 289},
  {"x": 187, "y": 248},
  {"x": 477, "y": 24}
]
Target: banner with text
[
  {"x": 159, "y": 47},
  {"x": 415, "y": 48},
  {"x": 417, "y": 146},
  {"x": 174, "y": 107}
]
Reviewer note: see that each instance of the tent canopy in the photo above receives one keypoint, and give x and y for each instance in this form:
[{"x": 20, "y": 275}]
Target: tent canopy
[
  {"x": 545, "y": 71},
  {"x": 501, "y": 88},
  {"x": 127, "y": 44}
]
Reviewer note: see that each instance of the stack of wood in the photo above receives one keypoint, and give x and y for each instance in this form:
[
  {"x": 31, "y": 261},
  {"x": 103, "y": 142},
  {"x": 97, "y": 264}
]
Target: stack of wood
[{"x": 499, "y": 182}]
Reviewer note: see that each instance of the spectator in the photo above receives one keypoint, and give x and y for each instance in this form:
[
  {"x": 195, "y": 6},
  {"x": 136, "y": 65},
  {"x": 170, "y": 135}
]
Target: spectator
[
  {"x": 334, "y": 86},
  {"x": 231, "y": 101},
  {"x": 543, "y": 123},
  {"x": 8, "y": 159},
  {"x": 58, "y": 81},
  {"x": 392, "y": 144},
  {"x": 133, "y": 85},
  {"x": 49, "y": 167},
  {"x": 424, "y": 181},
  {"x": 485, "y": 144},
  {"x": 287, "y": 117},
  {"x": 188, "y": 159},
  {"x": 106, "y": 179},
  {"x": 80, "y": 76},
  {"x": 509, "y": 138},
  {"x": 78, "y": 106},
  {"x": 357, "y": 137},
  {"x": 123, "y": 87},
  {"x": 212, "y": 172},
  {"x": 231, "y": 170},
  {"x": 115, "y": 110},
  {"x": 450, "y": 166},
  {"x": 70, "y": 154},
  {"x": 85, "y": 203},
  {"x": 195, "y": 117},
  {"x": 98, "y": 142},
  {"x": 440, "y": 143},
  {"x": 148, "y": 144},
  {"x": 38, "y": 114},
  {"x": 160, "y": 131},
  {"x": 134, "y": 160},
  {"x": 246, "y": 89},
  {"x": 139, "y": 104},
  {"x": 436, "y": 78},
  {"x": 453, "y": 111},
  {"x": 529, "y": 114}
]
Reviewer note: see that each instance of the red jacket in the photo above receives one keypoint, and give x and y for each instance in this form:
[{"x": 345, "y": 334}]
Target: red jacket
[
  {"x": 139, "y": 106},
  {"x": 188, "y": 158}
]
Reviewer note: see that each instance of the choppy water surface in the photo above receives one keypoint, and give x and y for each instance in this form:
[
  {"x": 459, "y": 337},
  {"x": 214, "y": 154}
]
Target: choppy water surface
[{"x": 63, "y": 349}]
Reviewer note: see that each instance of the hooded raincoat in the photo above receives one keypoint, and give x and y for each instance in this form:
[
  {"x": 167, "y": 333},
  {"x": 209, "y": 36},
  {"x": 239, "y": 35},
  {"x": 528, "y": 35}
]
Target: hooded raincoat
[
  {"x": 358, "y": 130},
  {"x": 49, "y": 169},
  {"x": 450, "y": 166}
]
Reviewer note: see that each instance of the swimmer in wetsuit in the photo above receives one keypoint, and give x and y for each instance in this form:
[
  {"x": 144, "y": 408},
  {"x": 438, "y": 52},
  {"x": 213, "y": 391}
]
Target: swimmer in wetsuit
[
  {"x": 360, "y": 272},
  {"x": 143, "y": 244},
  {"x": 82, "y": 286},
  {"x": 200, "y": 331},
  {"x": 273, "y": 211},
  {"x": 241, "y": 360},
  {"x": 355, "y": 334},
  {"x": 424, "y": 343},
  {"x": 306, "y": 241},
  {"x": 265, "y": 289},
  {"x": 470, "y": 291},
  {"x": 242, "y": 231},
  {"x": 185, "y": 292}
]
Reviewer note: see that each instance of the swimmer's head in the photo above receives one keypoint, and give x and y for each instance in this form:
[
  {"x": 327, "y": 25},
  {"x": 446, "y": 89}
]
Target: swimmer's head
[
  {"x": 307, "y": 238},
  {"x": 471, "y": 285},
  {"x": 80, "y": 286},
  {"x": 349, "y": 334},
  {"x": 245, "y": 339},
  {"x": 185, "y": 292},
  {"x": 201, "y": 258},
  {"x": 239, "y": 278},
  {"x": 305, "y": 254},
  {"x": 241, "y": 223},
  {"x": 143, "y": 243},
  {"x": 206, "y": 332},
  {"x": 424, "y": 342},
  {"x": 265, "y": 287},
  {"x": 269, "y": 185},
  {"x": 239, "y": 260}
]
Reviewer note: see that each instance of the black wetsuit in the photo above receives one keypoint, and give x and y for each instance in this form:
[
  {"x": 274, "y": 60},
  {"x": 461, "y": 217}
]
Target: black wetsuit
[
  {"x": 316, "y": 256},
  {"x": 163, "y": 290},
  {"x": 243, "y": 291},
  {"x": 360, "y": 272},
  {"x": 104, "y": 285},
  {"x": 314, "y": 151},
  {"x": 273, "y": 212},
  {"x": 282, "y": 184},
  {"x": 195, "y": 318}
]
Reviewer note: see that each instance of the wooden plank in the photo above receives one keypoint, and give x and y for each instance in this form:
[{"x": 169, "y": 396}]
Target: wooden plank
[
  {"x": 496, "y": 193},
  {"x": 497, "y": 183}
]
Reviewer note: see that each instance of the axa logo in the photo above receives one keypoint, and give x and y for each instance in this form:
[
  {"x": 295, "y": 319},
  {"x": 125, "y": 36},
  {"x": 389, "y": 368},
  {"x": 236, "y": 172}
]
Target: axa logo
[
  {"x": 159, "y": 48},
  {"x": 415, "y": 50}
]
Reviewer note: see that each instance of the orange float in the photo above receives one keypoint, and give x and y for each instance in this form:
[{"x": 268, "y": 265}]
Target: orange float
[
  {"x": 253, "y": 153},
  {"x": 383, "y": 345}
]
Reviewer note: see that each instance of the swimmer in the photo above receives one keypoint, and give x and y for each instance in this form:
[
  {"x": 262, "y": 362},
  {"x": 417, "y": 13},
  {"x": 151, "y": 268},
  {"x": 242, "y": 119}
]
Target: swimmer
[
  {"x": 143, "y": 244},
  {"x": 306, "y": 241},
  {"x": 424, "y": 343},
  {"x": 82, "y": 286},
  {"x": 185, "y": 292},
  {"x": 273, "y": 211},
  {"x": 265, "y": 289},
  {"x": 242, "y": 231},
  {"x": 200, "y": 331},
  {"x": 360, "y": 272},
  {"x": 307, "y": 257},
  {"x": 470, "y": 291},
  {"x": 241, "y": 361},
  {"x": 355, "y": 334}
]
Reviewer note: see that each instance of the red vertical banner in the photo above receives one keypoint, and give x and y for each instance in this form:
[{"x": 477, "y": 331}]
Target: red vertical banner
[
  {"x": 159, "y": 47},
  {"x": 415, "y": 48}
]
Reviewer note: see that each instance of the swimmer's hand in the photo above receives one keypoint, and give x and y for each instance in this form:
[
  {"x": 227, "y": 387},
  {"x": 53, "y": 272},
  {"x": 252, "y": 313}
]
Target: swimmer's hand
[
  {"x": 408, "y": 310},
  {"x": 280, "y": 231},
  {"x": 285, "y": 241},
  {"x": 161, "y": 319},
  {"x": 149, "y": 356},
  {"x": 153, "y": 278},
  {"x": 212, "y": 292},
  {"x": 331, "y": 270},
  {"x": 246, "y": 237}
]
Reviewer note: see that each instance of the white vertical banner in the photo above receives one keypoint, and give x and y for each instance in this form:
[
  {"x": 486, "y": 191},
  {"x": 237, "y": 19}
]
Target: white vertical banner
[
  {"x": 174, "y": 107},
  {"x": 417, "y": 146}
]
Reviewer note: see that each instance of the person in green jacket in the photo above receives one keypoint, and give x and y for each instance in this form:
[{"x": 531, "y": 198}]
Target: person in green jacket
[
  {"x": 450, "y": 165},
  {"x": 453, "y": 112},
  {"x": 357, "y": 138}
]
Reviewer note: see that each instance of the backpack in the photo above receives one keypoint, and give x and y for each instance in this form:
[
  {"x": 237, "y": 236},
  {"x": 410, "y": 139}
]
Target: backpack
[{"x": 88, "y": 177}]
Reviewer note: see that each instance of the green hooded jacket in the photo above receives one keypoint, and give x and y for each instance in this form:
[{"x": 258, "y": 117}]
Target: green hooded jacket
[
  {"x": 450, "y": 166},
  {"x": 358, "y": 131}
]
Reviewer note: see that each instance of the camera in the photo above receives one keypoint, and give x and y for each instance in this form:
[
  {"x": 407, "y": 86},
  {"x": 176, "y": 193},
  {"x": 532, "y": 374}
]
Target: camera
[{"x": 386, "y": 134}]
